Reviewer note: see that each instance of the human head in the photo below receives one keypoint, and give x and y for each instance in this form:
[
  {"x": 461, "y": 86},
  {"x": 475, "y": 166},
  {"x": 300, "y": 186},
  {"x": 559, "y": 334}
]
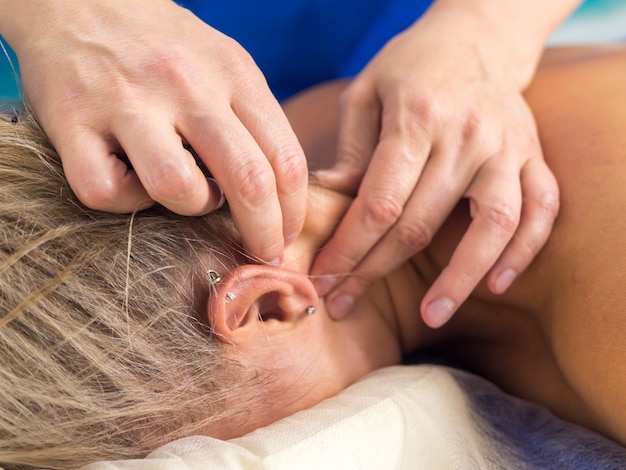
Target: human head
[
  {"x": 112, "y": 341},
  {"x": 102, "y": 331}
]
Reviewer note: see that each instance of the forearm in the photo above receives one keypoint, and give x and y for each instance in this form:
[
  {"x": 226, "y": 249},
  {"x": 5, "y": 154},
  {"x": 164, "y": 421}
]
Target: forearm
[
  {"x": 515, "y": 31},
  {"x": 9, "y": 10}
]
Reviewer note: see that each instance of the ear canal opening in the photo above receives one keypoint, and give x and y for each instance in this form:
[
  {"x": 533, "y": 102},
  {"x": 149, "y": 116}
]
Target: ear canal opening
[
  {"x": 267, "y": 316},
  {"x": 269, "y": 308}
]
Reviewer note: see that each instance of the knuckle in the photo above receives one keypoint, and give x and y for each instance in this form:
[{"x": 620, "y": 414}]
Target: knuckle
[
  {"x": 97, "y": 195},
  {"x": 472, "y": 129},
  {"x": 170, "y": 183},
  {"x": 424, "y": 108},
  {"x": 414, "y": 235},
  {"x": 237, "y": 61},
  {"x": 549, "y": 204},
  {"x": 382, "y": 210},
  {"x": 414, "y": 122},
  {"x": 254, "y": 183},
  {"x": 501, "y": 216},
  {"x": 173, "y": 66},
  {"x": 527, "y": 248},
  {"x": 292, "y": 168}
]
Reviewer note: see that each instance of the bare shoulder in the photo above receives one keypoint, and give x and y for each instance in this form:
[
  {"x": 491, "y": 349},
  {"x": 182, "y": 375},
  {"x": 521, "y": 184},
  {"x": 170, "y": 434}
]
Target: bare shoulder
[
  {"x": 580, "y": 106},
  {"x": 571, "y": 322}
]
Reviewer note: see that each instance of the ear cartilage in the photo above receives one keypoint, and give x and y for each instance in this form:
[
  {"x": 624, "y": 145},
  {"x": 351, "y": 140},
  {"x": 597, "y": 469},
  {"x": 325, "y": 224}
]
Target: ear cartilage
[
  {"x": 229, "y": 297},
  {"x": 310, "y": 310},
  {"x": 213, "y": 277}
]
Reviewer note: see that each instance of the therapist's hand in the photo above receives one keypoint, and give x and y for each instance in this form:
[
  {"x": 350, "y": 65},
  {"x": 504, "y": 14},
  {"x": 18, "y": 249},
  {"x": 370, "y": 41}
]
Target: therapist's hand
[
  {"x": 141, "y": 78},
  {"x": 435, "y": 117}
]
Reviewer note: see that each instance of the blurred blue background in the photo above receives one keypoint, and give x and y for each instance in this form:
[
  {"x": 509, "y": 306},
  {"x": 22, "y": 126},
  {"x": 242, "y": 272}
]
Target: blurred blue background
[
  {"x": 596, "y": 21},
  {"x": 9, "y": 90}
]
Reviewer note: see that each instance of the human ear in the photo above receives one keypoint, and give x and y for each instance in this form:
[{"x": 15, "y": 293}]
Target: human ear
[{"x": 254, "y": 295}]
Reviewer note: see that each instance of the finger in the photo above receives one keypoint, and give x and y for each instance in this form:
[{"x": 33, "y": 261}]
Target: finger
[
  {"x": 495, "y": 205},
  {"x": 540, "y": 207},
  {"x": 168, "y": 171},
  {"x": 98, "y": 177},
  {"x": 242, "y": 170},
  {"x": 391, "y": 178},
  {"x": 437, "y": 193},
  {"x": 268, "y": 125},
  {"x": 358, "y": 138}
]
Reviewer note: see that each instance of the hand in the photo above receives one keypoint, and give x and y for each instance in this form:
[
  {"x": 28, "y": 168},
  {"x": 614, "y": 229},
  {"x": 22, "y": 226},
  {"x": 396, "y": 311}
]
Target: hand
[
  {"x": 141, "y": 78},
  {"x": 430, "y": 121}
]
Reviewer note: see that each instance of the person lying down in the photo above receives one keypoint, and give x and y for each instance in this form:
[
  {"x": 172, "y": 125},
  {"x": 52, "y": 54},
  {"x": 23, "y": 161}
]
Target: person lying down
[{"x": 121, "y": 333}]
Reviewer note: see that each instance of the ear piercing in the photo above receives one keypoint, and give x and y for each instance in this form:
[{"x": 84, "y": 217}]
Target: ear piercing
[{"x": 212, "y": 277}]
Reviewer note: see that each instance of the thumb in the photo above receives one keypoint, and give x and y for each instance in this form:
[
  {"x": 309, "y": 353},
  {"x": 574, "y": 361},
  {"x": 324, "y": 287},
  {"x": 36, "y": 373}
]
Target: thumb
[
  {"x": 342, "y": 177},
  {"x": 359, "y": 130}
]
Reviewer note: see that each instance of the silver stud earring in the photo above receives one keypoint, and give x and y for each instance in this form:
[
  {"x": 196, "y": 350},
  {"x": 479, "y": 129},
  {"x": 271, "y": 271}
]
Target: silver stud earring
[
  {"x": 310, "y": 310},
  {"x": 229, "y": 297},
  {"x": 212, "y": 277}
]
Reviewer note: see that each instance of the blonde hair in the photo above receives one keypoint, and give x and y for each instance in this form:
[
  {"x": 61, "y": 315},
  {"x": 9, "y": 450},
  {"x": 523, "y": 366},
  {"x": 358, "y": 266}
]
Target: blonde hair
[{"x": 104, "y": 353}]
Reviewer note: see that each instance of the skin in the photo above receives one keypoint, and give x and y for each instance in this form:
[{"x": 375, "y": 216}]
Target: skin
[
  {"x": 436, "y": 116},
  {"x": 555, "y": 337},
  {"x": 141, "y": 78}
]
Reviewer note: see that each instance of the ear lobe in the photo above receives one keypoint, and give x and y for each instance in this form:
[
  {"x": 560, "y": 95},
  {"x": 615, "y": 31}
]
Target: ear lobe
[{"x": 252, "y": 294}]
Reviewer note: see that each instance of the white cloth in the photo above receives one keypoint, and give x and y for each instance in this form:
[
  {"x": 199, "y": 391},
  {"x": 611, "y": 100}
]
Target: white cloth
[{"x": 403, "y": 417}]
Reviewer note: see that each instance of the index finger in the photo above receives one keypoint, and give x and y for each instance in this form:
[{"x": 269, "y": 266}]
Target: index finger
[
  {"x": 389, "y": 182},
  {"x": 391, "y": 177},
  {"x": 265, "y": 120},
  {"x": 245, "y": 175}
]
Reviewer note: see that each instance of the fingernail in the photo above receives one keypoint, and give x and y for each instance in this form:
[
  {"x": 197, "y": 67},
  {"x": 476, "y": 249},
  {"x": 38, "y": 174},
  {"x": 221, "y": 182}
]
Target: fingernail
[
  {"x": 439, "y": 311},
  {"x": 216, "y": 188},
  {"x": 320, "y": 174},
  {"x": 324, "y": 284},
  {"x": 340, "y": 306},
  {"x": 504, "y": 280},
  {"x": 275, "y": 262}
]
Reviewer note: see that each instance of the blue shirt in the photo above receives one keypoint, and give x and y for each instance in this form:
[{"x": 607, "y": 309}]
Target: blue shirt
[{"x": 298, "y": 43}]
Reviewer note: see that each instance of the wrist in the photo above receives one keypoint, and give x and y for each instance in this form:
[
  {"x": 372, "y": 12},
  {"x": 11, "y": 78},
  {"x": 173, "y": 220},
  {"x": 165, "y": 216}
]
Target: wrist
[
  {"x": 9, "y": 19},
  {"x": 21, "y": 19},
  {"x": 506, "y": 52}
]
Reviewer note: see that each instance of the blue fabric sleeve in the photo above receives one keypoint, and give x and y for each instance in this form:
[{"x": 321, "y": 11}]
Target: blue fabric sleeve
[{"x": 298, "y": 43}]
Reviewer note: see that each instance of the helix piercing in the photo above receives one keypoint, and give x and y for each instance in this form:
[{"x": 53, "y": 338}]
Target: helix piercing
[{"x": 213, "y": 277}]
